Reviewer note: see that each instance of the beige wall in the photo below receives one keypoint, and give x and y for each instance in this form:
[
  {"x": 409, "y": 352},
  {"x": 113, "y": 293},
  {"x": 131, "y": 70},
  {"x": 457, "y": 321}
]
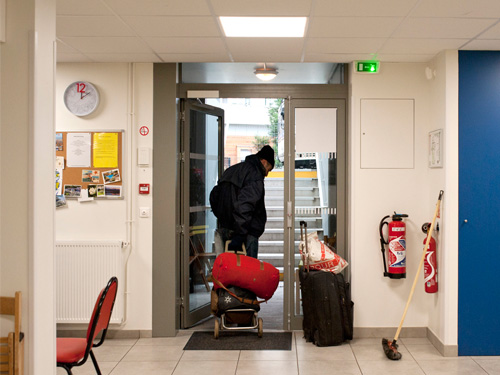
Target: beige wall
[
  {"x": 26, "y": 190},
  {"x": 126, "y": 94}
]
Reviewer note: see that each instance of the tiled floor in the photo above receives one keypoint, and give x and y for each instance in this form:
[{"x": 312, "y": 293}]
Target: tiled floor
[{"x": 161, "y": 356}]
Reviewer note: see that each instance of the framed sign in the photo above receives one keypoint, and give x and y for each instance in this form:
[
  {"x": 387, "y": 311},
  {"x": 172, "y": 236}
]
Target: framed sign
[{"x": 436, "y": 149}]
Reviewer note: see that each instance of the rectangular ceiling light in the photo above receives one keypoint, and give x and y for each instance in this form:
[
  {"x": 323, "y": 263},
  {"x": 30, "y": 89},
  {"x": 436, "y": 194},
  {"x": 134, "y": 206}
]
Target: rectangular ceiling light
[{"x": 264, "y": 27}]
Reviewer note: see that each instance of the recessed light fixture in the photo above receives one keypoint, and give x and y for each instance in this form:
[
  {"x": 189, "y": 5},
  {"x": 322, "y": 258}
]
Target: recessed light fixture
[
  {"x": 265, "y": 73},
  {"x": 264, "y": 27}
]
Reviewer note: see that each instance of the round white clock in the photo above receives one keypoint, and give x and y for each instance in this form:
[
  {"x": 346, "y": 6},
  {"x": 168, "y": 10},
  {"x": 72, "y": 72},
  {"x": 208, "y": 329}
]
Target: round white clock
[{"x": 81, "y": 98}]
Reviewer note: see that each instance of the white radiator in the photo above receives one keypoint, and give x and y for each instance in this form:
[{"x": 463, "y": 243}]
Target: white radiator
[{"x": 83, "y": 268}]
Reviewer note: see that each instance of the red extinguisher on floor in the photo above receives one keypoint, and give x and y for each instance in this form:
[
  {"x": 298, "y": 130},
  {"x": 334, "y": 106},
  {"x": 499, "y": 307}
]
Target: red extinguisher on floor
[
  {"x": 396, "y": 246},
  {"x": 430, "y": 264}
]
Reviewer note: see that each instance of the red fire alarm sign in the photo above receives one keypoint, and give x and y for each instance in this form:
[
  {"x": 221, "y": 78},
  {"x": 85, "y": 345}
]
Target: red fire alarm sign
[{"x": 143, "y": 188}]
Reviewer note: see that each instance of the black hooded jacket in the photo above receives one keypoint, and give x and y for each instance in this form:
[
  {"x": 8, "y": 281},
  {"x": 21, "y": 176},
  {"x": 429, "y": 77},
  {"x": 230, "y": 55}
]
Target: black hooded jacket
[{"x": 238, "y": 198}]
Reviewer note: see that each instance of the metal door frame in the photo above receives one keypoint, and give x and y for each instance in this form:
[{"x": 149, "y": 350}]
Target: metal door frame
[{"x": 189, "y": 318}]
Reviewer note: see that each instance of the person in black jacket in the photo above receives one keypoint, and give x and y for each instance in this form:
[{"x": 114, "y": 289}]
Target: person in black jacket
[{"x": 238, "y": 201}]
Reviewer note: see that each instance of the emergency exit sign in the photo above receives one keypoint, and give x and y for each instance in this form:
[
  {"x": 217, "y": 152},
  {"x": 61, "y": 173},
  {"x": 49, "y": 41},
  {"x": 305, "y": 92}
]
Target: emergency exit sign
[{"x": 367, "y": 66}]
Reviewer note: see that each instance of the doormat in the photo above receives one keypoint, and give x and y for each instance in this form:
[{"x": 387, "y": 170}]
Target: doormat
[{"x": 204, "y": 340}]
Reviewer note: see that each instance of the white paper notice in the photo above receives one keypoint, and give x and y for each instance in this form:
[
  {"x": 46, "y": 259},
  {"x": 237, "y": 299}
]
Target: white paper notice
[{"x": 78, "y": 150}]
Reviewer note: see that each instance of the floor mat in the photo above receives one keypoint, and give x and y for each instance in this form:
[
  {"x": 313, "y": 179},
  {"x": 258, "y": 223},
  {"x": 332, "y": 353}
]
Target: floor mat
[{"x": 241, "y": 340}]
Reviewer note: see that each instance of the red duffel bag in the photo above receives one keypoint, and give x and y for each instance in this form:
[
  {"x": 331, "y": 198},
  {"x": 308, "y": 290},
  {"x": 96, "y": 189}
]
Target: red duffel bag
[{"x": 245, "y": 272}]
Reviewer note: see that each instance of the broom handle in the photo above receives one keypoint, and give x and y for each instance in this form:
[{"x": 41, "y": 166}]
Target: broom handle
[{"x": 420, "y": 265}]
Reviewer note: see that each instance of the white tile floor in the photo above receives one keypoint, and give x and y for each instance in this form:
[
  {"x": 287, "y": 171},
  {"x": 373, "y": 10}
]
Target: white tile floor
[{"x": 162, "y": 356}]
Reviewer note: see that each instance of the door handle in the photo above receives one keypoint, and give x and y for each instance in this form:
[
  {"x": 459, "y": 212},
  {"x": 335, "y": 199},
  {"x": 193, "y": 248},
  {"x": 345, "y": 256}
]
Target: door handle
[{"x": 466, "y": 221}]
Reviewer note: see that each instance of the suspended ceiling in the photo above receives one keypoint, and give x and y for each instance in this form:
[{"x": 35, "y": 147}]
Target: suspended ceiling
[{"x": 337, "y": 30}]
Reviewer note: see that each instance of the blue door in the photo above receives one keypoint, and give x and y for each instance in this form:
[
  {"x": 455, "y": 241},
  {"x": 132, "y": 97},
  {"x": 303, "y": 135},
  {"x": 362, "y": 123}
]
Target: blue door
[{"x": 479, "y": 203}]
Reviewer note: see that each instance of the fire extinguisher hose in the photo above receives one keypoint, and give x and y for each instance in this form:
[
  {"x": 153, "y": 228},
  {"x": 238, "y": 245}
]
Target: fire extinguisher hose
[{"x": 391, "y": 347}]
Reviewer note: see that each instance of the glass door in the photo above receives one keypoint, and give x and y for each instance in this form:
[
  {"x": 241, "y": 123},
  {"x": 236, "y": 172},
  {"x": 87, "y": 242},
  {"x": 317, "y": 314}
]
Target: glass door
[
  {"x": 316, "y": 177},
  {"x": 202, "y": 163}
]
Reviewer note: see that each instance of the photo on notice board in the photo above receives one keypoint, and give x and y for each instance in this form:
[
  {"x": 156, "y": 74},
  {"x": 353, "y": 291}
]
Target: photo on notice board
[
  {"x": 100, "y": 191},
  {"x": 60, "y": 201},
  {"x": 59, "y": 142},
  {"x": 89, "y": 175},
  {"x": 72, "y": 191},
  {"x": 92, "y": 191},
  {"x": 113, "y": 191},
  {"x": 111, "y": 176}
]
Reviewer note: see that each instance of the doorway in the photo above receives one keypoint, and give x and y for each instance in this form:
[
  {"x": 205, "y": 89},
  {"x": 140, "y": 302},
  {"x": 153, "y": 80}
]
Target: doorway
[{"x": 297, "y": 97}]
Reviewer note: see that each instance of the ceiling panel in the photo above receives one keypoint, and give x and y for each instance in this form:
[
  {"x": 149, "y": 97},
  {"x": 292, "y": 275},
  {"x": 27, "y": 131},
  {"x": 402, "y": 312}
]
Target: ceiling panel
[
  {"x": 353, "y": 27},
  {"x": 262, "y": 8},
  {"x": 442, "y": 28},
  {"x": 91, "y": 26},
  {"x": 419, "y": 46},
  {"x": 173, "y": 26},
  {"x": 483, "y": 45},
  {"x": 265, "y": 49},
  {"x": 458, "y": 8},
  {"x": 344, "y": 45},
  {"x": 335, "y": 57},
  {"x": 194, "y": 57},
  {"x": 384, "y": 57},
  {"x": 186, "y": 45},
  {"x": 159, "y": 7},
  {"x": 82, "y": 8},
  {"x": 491, "y": 33},
  {"x": 124, "y": 57},
  {"x": 107, "y": 44},
  {"x": 72, "y": 57},
  {"x": 378, "y": 8}
]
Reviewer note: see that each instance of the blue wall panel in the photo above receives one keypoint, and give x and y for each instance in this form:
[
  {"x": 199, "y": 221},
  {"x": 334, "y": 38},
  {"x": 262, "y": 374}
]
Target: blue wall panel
[{"x": 479, "y": 203}]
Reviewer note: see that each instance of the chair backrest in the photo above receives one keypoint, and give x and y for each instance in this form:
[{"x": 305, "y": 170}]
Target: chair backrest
[{"x": 102, "y": 313}]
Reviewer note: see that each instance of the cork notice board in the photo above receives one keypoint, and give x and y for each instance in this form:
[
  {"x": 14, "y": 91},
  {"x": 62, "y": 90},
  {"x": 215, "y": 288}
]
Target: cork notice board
[{"x": 92, "y": 164}]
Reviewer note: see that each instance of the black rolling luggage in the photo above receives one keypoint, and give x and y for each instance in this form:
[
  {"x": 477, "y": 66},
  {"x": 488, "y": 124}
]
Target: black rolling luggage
[{"x": 327, "y": 306}]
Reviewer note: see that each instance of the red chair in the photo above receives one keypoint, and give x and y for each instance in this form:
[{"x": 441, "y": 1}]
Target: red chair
[{"x": 73, "y": 352}]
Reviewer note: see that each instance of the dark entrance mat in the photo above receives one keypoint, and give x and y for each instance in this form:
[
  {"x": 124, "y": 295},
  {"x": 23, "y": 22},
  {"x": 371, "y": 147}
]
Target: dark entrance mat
[{"x": 232, "y": 340}]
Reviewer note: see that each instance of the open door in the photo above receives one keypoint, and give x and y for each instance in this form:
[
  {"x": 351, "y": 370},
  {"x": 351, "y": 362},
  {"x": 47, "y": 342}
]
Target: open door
[{"x": 201, "y": 164}]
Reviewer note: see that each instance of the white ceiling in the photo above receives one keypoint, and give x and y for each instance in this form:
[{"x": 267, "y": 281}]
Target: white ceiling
[{"x": 337, "y": 30}]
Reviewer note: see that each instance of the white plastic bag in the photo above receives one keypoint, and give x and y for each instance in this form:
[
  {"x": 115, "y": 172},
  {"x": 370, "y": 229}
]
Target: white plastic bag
[{"x": 320, "y": 256}]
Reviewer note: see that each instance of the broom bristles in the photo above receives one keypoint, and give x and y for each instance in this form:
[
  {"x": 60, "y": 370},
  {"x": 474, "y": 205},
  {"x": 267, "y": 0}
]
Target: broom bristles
[{"x": 391, "y": 349}]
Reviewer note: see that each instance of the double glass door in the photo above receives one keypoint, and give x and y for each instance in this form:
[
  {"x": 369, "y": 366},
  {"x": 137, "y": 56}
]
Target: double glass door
[{"x": 311, "y": 143}]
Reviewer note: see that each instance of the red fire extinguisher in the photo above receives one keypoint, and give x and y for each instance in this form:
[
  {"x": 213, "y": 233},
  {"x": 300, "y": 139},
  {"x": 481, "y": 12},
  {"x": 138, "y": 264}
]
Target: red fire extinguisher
[
  {"x": 396, "y": 246},
  {"x": 430, "y": 264}
]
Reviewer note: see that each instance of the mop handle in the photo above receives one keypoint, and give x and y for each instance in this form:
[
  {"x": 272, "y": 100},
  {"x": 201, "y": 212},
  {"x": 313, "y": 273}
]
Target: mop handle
[{"x": 429, "y": 235}]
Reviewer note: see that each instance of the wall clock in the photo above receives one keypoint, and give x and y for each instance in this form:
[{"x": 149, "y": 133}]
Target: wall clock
[{"x": 81, "y": 98}]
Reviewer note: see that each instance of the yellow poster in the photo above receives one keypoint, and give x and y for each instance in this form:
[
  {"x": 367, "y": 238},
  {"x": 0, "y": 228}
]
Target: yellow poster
[{"x": 105, "y": 150}]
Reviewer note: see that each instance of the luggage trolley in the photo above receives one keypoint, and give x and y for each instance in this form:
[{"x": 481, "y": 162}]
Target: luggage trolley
[{"x": 235, "y": 314}]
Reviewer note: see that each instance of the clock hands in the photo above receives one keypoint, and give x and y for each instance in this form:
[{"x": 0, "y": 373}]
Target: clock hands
[{"x": 84, "y": 94}]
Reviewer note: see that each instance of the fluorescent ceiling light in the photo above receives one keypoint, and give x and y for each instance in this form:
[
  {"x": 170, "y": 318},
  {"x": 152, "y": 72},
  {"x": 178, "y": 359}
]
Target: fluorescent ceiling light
[{"x": 264, "y": 27}]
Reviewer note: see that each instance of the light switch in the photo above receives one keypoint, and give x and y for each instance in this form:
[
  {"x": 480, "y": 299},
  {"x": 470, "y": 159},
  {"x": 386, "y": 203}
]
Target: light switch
[{"x": 143, "y": 156}]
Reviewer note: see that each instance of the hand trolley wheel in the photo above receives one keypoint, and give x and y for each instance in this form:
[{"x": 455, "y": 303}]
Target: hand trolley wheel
[{"x": 260, "y": 327}]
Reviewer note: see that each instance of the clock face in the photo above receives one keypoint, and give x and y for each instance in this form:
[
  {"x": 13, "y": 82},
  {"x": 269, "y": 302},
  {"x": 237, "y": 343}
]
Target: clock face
[{"x": 81, "y": 98}]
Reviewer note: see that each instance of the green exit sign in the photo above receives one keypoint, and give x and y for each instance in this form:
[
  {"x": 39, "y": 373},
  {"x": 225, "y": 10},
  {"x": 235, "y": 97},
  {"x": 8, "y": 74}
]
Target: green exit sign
[{"x": 367, "y": 66}]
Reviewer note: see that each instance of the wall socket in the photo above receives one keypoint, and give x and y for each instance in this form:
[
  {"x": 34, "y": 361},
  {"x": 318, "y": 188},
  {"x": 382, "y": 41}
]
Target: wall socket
[{"x": 144, "y": 212}]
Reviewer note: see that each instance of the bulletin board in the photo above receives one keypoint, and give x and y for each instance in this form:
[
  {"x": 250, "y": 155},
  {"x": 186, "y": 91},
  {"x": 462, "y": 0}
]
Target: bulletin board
[{"x": 92, "y": 164}]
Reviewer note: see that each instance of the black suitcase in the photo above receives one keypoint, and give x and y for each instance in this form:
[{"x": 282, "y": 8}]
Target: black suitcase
[
  {"x": 327, "y": 308},
  {"x": 326, "y": 304}
]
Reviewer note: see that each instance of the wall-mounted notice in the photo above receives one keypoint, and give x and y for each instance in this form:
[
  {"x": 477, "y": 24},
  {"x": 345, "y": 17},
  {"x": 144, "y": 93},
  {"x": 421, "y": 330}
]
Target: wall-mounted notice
[
  {"x": 105, "y": 150},
  {"x": 78, "y": 150}
]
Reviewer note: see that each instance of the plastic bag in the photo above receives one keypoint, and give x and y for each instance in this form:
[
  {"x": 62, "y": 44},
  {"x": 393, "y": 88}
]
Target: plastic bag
[{"x": 320, "y": 256}]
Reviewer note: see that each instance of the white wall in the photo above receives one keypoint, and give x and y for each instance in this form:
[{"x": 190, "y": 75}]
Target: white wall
[
  {"x": 375, "y": 193},
  {"x": 444, "y": 111},
  {"x": 126, "y": 92}
]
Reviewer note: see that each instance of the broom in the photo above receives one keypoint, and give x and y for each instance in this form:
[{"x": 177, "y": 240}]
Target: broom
[{"x": 391, "y": 347}]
